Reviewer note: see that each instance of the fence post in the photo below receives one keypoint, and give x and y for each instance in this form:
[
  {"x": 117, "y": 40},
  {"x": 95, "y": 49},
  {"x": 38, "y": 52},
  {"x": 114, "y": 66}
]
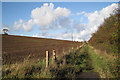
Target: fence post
[
  {"x": 47, "y": 59},
  {"x": 72, "y": 47},
  {"x": 69, "y": 50},
  {"x": 64, "y": 61},
  {"x": 63, "y": 51},
  {"x": 77, "y": 47},
  {"x": 54, "y": 56}
]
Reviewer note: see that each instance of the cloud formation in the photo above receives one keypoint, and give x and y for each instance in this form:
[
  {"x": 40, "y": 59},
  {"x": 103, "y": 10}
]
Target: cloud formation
[
  {"x": 42, "y": 35},
  {"x": 96, "y": 19},
  {"x": 80, "y": 13},
  {"x": 44, "y": 17},
  {"x": 27, "y": 26},
  {"x": 47, "y": 17},
  {"x": 18, "y": 24}
]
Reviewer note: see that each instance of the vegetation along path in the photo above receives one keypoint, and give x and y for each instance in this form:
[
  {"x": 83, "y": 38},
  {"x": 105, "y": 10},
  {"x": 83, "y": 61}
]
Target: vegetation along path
[
  {"x": 74, "y": 65},
  {"x": 82, "y": 63}
]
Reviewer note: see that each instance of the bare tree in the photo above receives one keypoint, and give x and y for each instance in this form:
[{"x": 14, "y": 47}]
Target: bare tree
[{"x": 5, "y": 31}]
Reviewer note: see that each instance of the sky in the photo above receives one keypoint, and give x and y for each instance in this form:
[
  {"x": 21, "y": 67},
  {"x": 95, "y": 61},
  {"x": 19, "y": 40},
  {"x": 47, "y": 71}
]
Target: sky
[{"x": 57, "y": 20}]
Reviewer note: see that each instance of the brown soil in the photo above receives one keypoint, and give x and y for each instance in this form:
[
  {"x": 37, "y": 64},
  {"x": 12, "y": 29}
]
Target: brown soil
[{"x": 17, "y": 48}]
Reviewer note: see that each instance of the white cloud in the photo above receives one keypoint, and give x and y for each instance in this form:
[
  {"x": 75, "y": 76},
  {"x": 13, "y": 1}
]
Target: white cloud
[
  {"x": 65, "y": 22},
  {"x": 28, "y": 25},
  {"x": 64, "y": 36},
  {"x": 81, "y": 19},
  {"x": 18, "y": 24},
  {"x": 96, "y": 19},
  {"x": 79, "y": 27},
  {"x": 43, "y": 35},
  {"x": 80, "y": 13},
  {"x": 43, "y": 17},
  {"x": 68, "y": 36},
  {"x": 35, "y": 35},
  {"x": 46, "y": 17}
]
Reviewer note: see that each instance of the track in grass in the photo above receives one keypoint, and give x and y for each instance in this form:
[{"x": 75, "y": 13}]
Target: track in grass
[{"x": 75, "y": 65}]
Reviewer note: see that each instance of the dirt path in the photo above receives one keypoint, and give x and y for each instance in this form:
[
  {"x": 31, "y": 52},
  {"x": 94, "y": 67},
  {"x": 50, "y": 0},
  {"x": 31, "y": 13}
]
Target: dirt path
[{"x": 88, "y": 75}]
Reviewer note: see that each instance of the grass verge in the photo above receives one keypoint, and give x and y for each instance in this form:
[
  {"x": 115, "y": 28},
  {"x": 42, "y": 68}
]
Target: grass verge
[
  {"x": 72, "y": 64},
  {"x": 104, "y": 64},
  {"x": 27, "y": 69}
]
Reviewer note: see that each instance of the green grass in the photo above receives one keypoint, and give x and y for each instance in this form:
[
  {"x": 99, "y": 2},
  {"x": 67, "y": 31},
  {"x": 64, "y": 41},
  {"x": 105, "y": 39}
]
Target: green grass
[
  {"x": 76, "y": 63},
  {"x": 104, "y": 65}
]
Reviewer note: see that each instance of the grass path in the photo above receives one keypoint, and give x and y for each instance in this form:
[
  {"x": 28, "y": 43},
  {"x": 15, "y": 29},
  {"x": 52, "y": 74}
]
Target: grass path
[
  {"x": 105, "y": 64},
  {"x": 74, "y": 65}
]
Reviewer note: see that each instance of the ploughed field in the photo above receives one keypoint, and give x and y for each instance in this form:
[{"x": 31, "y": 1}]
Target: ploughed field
[{"x": 17, "y": 48}]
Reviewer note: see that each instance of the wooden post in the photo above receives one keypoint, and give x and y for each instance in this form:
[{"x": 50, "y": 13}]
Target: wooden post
[
  {"x": 80, "y": 46},
  {"x": 63, "y": 51},
  {"x": 69, "y": 50},
  {"x": 54, "y": 56},
  {"x": 77, "y": 47},
  {"x": 47, "y": 59},
  {"x": 72, "y": 47},
  {"x": 64, "y": 61}
]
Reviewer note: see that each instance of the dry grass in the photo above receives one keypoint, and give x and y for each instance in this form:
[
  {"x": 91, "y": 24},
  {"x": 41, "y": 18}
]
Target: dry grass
[{"x": 28, "y": 68}]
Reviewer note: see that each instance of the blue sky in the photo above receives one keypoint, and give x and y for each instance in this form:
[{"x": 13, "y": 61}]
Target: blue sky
[{"x": 75, "y": 20}]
